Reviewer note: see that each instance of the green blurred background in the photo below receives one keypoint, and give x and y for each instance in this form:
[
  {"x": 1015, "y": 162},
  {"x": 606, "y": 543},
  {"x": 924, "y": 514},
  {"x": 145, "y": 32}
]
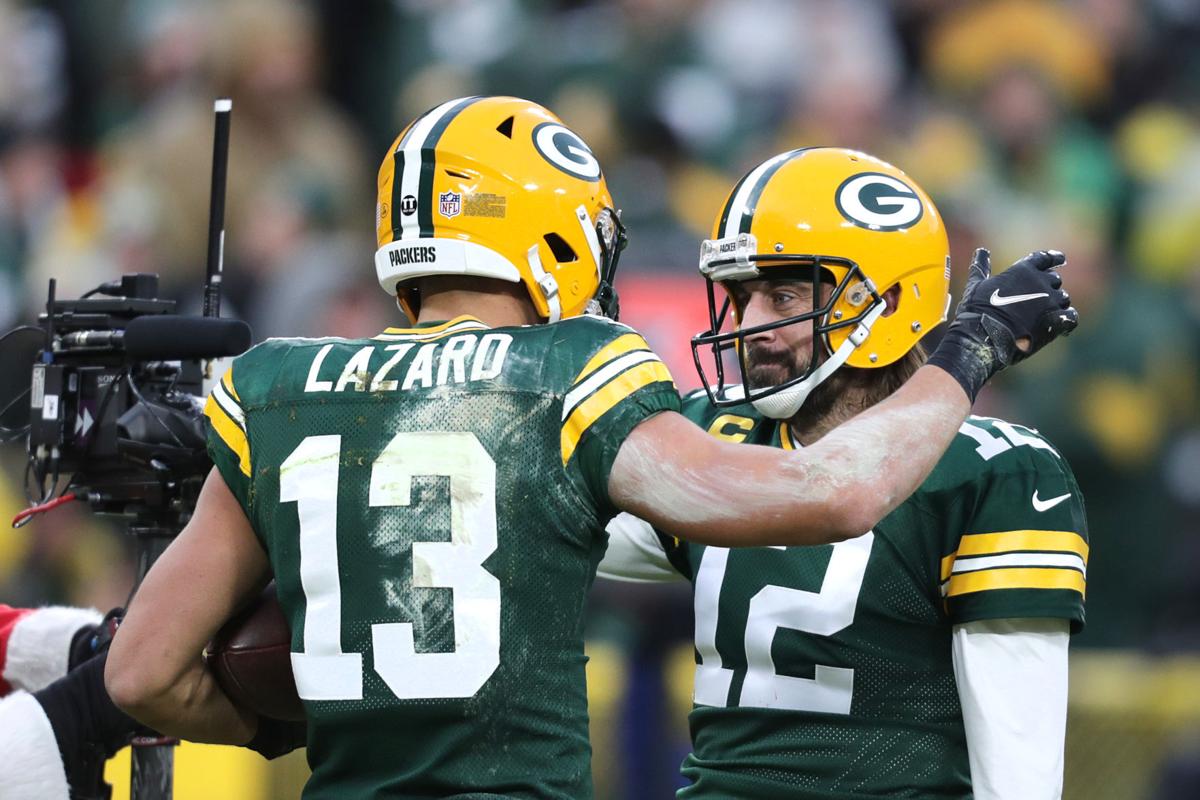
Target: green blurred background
[{"x": 1072, "y": 124}]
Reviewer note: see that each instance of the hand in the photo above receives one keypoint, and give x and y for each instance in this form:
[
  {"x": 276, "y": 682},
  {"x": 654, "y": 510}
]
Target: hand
[
  {"x": 1006, "y": 318},
  {"x": 92, "y": 640},
  {"x": 275, "y": 738}
]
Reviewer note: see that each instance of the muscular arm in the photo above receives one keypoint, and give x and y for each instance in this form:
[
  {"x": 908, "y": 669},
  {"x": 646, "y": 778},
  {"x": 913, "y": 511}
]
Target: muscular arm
[
  {"x": 1012, "y": 683},
  {"x": 689, "y": 484},
  {"x": 155, "y": 672}
]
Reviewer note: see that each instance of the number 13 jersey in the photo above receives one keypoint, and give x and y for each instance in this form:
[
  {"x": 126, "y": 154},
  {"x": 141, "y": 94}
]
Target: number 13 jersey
[
  {"x": 827, "y": 671},
  {"x": 433, "y": 504}
]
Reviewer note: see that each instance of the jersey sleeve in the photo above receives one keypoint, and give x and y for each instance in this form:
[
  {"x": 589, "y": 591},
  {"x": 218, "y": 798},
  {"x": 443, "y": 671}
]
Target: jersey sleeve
[
  {"x": 228, "y": 442},
  {"x": 1025, "y": 549},
  {"x": 623, "y": 383},
  {"x": 635, "y": 553}
]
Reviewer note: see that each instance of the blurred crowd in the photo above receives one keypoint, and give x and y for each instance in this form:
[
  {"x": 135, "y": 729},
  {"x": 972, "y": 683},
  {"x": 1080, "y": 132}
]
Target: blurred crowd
[{"x": 1072, "y": 124}]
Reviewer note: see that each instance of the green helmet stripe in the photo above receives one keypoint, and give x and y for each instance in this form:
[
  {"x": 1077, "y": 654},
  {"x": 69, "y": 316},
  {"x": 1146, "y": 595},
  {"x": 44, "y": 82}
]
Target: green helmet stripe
[
  {"x": 429, "y": 166},
  {"x": 739, "y": 211},
  {"x": 415, "y": 166}
]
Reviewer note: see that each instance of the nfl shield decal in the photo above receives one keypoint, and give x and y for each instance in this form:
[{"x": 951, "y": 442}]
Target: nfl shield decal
[{"x": 449, "y": 204}]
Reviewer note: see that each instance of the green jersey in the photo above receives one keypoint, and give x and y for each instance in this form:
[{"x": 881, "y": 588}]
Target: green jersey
[
  {"x": 827, "y": 671},
  {"x": 433, "y": 503}
]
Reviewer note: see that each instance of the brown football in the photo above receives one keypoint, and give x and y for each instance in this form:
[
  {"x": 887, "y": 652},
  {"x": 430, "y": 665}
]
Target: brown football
[{"x": 251, "y": 659}]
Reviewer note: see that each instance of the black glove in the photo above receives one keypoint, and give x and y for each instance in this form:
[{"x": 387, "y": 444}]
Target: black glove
[
  {"x": 88, "y": 727},
  {"x": 275, "y": 738},
  {"x": 1025, "y": 301},
  {"x": 92, "y": 640}
]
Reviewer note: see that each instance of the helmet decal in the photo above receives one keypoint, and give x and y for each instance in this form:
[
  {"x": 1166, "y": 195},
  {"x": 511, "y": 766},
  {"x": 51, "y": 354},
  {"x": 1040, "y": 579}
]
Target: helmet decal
[
  {"x": 412, "y": 189},
  {"x": 563, "y": 148},
  {"x": 878, "y": 202},
  {"x": 739, "y": 210}
]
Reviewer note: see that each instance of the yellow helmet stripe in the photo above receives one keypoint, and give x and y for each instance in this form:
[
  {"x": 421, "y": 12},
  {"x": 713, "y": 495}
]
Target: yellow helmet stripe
[
  {"x": 739, "y": 210},
  {"x": 414, "y": 169}
]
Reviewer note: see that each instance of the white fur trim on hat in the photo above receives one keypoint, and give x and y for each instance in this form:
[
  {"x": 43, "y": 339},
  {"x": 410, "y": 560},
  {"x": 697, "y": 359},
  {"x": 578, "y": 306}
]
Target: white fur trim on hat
[
  {"x": 40, "y": 645},
  {"x": 33, "y": 768}
]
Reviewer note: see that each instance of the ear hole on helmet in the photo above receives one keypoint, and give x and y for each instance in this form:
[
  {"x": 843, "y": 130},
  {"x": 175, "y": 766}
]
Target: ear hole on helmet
[
  {"x": 506, "y": 127},
  {"x": 892, "y": 298},
  {"x": 563, "y": 252}
]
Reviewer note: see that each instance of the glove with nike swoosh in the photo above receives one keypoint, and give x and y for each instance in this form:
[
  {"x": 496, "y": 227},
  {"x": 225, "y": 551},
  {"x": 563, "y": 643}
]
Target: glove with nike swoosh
[{"x": 1005, "y": 318}]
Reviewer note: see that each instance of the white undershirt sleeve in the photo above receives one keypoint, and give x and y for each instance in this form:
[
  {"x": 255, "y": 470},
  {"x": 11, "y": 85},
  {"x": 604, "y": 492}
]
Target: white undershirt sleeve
[
  {"x": 1012, "y": 684},
  {"x": 635, "y": 553}
]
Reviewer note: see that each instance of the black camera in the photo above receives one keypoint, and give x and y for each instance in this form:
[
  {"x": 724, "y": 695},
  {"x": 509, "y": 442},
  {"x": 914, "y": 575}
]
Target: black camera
[{"x": 108, "y": 390}]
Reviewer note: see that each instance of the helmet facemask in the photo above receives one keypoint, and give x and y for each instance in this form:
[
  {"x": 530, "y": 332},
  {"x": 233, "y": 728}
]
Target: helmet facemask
[
  {"x": 612, "y": 239},
  {"x": 852, "y": 291}
]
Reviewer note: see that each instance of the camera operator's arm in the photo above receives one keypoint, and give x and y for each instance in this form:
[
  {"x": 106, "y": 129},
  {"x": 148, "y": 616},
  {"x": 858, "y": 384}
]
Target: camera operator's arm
[
  {"x": 37, "y": 645},
  {"x": 155, "y": 672}
]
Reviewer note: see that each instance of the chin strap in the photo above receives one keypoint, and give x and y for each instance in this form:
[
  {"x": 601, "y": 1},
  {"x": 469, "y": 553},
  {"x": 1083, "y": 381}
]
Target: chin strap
[
  {"x": 546, "y": 283},
  {"x": 785, "y": 403}
]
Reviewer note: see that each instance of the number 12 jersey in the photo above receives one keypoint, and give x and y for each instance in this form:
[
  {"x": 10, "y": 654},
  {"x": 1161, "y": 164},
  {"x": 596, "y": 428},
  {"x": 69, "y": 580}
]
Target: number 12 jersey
[{"x": 826, "y": 672}]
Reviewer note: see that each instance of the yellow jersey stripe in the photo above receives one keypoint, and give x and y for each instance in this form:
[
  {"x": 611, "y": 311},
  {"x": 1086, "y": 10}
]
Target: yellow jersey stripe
[
  {"x": 434, "y": 328},
  {"x": 785, "y": 437},
  {"x": 977, "y": 544},
  {"x": 1030, "y": 578},
  {"x": 600, "y": 403},
  {"x": 619, "y": 346},
  {"x": 233, "y": 436},
  {"x": 227, "y": 382}
]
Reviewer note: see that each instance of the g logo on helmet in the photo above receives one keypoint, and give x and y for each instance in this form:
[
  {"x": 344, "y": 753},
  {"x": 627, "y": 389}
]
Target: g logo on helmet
[
  {"x": 878, "y": 202},
  {"x": 563, "y": 148}
]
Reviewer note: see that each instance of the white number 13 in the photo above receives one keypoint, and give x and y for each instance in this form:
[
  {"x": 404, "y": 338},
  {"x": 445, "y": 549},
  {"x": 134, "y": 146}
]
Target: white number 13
[{"x": 309, "y": 477}]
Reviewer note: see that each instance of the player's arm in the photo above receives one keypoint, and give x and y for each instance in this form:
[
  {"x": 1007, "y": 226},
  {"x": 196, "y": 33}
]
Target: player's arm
[
  {"x": 689, "y": 485},
  {"x": 1013, "y": 580},
  {"x": 1012, "y": 685},
  {"x": 692, "y": 485},
  {"x": 155, "y": 672},
  {"x": 37, "y": 645}
]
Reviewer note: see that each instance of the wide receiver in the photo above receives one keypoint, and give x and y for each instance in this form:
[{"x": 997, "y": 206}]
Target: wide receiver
[
  {"x": 432, "y": 502},
  {"x": 927, "y": 658}
]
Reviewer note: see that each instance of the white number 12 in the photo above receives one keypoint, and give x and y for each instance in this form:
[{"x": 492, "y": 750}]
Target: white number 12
[
  {"x": 822, "y": 613},
  {"x": 309, "y": 478}
]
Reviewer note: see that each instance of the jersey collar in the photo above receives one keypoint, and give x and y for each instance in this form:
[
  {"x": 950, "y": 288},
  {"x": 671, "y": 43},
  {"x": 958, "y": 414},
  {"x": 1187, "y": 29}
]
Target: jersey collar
[
  {"x": 428, "y": 331},
  {"x": 785, "y": 438}
]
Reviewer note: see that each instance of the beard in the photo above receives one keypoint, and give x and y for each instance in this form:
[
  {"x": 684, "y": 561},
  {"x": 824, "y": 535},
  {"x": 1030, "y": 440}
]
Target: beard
[{"x": 766, "y": 368}]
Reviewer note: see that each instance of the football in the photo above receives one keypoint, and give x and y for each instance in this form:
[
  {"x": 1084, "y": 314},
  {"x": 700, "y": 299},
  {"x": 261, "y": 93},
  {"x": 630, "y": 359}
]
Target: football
[{"x": 251, "y": 659}]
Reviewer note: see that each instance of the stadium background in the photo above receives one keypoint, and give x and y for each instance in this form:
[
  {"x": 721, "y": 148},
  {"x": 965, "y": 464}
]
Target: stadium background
[{"x": 1033, "y": 124}]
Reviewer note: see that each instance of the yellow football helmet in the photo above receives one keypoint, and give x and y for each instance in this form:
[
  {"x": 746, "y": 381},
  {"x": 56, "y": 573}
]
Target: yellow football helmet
[
  {"x": 836, "y": 214},
  {"x": 498, "y": 187}
]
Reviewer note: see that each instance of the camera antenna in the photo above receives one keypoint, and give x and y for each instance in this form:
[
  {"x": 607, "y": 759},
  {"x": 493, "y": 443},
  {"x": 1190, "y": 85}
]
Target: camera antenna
[
  {"x": 48, "y": 351},
  {"x": 223, "y": 108}
]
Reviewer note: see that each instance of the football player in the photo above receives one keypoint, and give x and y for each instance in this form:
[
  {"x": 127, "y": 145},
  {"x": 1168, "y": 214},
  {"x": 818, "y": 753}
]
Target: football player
[
  {"x": 928, "y": 657},
  {"x": 432, "y": 501}
]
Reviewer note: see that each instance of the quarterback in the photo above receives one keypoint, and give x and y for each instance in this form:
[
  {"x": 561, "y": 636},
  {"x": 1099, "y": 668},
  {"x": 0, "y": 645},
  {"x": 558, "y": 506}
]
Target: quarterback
[
  {"x": 432, "y": 501},
  {"x": 928, "y": 657}
]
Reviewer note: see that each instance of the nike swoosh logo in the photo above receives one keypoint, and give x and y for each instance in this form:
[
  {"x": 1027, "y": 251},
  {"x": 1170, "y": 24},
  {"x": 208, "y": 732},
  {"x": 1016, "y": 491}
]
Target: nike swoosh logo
[
  {"x": 999, "y": 300},
  {"x": 1046, "y": 505}
]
